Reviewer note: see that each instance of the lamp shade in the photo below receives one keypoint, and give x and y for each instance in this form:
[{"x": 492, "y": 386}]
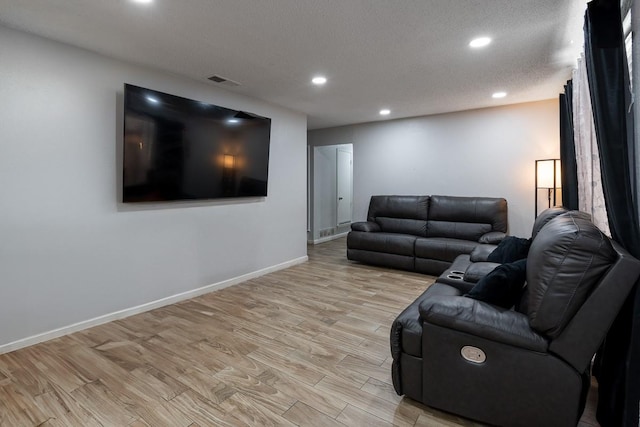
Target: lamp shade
[
  {"x": 548, "y": 184},
  {"x": 548, "y": 173}
]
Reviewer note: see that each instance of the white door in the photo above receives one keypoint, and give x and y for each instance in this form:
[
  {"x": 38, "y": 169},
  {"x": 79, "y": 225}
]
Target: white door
[{"x": 344, "y": 186}]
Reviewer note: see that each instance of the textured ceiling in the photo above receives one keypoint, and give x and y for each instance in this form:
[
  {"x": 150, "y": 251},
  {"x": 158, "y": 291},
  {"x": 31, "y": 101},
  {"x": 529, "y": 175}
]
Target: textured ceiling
[{"x": 411, "y": 56}]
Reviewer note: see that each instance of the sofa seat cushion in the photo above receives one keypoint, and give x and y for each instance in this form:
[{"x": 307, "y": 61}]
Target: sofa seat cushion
[
  {"x": 406, "y": 330},
  {"x": 443, "y": 248},
  {"x": 390, "y": 243}
]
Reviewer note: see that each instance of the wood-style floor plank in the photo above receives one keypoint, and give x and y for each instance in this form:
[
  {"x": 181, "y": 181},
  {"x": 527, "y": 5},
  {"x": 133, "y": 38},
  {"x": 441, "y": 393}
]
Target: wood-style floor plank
[
  {"x": 306, "y": 346},
  {"x": 353, "y": 416},
  {"x": 305, "y": 415}
]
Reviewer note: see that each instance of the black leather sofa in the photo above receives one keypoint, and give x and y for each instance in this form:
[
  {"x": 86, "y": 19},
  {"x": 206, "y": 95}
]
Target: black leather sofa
[
  {"x": 425, "y": 233},
  {"x": 526, "y": 367}
]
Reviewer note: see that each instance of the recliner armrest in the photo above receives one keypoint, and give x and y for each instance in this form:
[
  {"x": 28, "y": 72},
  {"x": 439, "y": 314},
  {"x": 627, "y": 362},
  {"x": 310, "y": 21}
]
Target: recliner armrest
[
  {"x": 492, "y": 237},
  {"x": 483, "y": 320},
  {"x": 365, "y": 226}
]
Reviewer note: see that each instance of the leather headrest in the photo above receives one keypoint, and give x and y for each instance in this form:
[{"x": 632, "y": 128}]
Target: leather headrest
[
  {"x": 544, "y": 217},
  {"x": 566, "y": 260}
]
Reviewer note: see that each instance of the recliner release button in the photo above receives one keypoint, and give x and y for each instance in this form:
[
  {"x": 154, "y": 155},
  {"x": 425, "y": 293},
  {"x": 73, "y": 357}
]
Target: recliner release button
[{"x": 473, "y": 354}]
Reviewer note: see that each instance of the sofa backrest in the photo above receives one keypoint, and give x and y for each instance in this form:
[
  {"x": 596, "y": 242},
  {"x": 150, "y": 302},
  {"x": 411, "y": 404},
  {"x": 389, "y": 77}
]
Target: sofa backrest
[
  {"x": 567, "y": 259},
  {"x": 466, "y": 218},
  {"x": 400, "y": 214}
]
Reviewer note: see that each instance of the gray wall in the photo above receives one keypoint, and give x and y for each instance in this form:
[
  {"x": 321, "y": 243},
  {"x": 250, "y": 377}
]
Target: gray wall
[
  {"x": 69, "y": 251},
  {"x": 486, "y": 152}
]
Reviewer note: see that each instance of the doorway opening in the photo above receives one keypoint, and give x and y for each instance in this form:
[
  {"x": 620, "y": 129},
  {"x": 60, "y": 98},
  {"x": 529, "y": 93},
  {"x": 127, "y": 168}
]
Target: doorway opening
[{"x": 330, "y": 197}]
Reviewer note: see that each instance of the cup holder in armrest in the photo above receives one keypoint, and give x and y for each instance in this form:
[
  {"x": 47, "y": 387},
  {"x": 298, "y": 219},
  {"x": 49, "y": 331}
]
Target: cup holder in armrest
[
  {"x": 457, "y": 273},
  {"x": 454, "y": 276}
]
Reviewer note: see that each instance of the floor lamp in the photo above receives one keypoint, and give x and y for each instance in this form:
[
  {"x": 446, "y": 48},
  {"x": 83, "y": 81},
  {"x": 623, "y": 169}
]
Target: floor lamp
[{"x": 548, "y": 184}]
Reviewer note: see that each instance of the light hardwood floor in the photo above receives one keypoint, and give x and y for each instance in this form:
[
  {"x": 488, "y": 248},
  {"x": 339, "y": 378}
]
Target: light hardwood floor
[{"x": 304, "y": 346}]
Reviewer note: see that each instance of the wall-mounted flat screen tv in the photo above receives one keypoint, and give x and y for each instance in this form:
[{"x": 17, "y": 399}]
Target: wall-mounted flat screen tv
[{"x": 180, "y": 149}]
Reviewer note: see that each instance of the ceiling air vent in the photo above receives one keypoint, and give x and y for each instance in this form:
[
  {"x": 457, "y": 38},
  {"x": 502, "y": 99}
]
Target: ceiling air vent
[{"x": 223, "y": 81}]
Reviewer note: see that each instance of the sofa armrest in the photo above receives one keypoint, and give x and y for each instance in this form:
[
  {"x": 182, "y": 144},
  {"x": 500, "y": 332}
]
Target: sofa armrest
[
  {"x": 492, "y": 237},
  {"x": 483, "y": 320},
  {"x": 481, "y": 252},
  {"x": 478, "y": 270},
  {"x": 365, "y": 226}
]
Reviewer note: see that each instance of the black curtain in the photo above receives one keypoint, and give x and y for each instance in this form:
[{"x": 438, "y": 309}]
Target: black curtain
[
  {"x": 618, "y": 370},
  {"x": 569, "y": 178}
]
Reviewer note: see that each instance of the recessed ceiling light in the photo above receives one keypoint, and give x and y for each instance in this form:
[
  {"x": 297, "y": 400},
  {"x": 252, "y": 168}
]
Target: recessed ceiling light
[
  {"x": 480, "y": 42},
  {"x": 319, "y": 80},
  {"x": 385, "y": 112},
  {"x": 143, "y": 1},
  {"x": 499, "y": 95}
]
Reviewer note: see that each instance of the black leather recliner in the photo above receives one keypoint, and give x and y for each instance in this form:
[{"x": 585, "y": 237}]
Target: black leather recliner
[{"x": 518, "y": 368}]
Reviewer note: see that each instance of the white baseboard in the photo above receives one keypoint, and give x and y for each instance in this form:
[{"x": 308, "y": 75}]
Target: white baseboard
[
  {"x": 328, "y": 238},
  {"x": 66, "y": 330}
]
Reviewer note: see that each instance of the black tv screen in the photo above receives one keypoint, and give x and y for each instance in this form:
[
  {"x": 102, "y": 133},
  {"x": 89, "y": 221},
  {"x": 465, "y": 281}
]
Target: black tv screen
[{"x": 180, "y": 149}]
